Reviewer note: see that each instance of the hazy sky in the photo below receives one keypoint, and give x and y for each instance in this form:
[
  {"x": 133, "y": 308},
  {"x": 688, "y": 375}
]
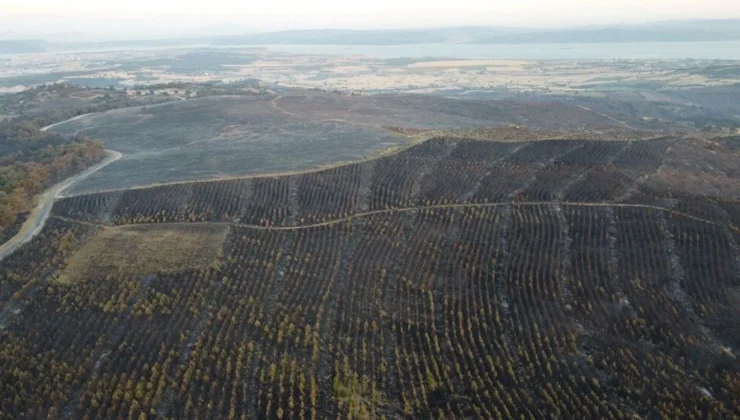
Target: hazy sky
[{"x": 143, "y": 18}]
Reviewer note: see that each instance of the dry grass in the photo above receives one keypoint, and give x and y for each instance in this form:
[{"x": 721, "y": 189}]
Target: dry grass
[
  {"x": 701, "y": 167},
  {"x": 522, "y": 133},
  {"x": 696, "y": 182},
  {"x": 146, "y": 249},
  {"x": 519, "y": 64},
  {"x": 88, "y": 95}
]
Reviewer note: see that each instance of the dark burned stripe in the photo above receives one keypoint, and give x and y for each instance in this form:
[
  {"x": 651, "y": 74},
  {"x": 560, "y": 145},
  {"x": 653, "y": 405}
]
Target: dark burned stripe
[
  {"x": 330, "y": 321},
  {"x": 614, "y": 150},
  {"x": 520, "y": 193},
  {"x": 545, "y": 151}
]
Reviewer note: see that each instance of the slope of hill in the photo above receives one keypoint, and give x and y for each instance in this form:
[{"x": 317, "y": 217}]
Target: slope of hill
[
  {"x": 457, "y": 278},
  {"x": 295, "y": 131}
]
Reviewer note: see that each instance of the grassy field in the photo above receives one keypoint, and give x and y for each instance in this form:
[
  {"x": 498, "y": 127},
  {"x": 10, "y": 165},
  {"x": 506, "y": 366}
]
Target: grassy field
[{"x": 142, "y": 250}]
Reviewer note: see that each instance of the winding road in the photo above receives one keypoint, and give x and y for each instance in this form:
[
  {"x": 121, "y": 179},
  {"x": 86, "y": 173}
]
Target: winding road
[
  {"x": 453, "y": 206},
  {"x": 37, "y": 219}
]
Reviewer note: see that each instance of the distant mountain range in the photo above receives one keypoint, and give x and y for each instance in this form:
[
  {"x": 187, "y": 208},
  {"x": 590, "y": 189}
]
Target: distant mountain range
[
  {"x": 669, "y": 31},
  {"x": 369, "y": 37},
  {"x": 23, "y": 46},
  {"x": 678, "y": 31}
]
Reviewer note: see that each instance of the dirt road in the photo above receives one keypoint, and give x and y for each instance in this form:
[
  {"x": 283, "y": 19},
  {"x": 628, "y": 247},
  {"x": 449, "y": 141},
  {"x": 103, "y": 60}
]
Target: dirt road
[
  {"x": 622, "y": 123},
  {"x": 48, "y": 127}
]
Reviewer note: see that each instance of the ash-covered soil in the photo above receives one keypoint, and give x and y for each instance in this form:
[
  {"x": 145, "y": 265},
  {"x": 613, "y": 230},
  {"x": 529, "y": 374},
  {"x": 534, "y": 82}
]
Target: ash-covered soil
[{"x": 210, "y": 138}]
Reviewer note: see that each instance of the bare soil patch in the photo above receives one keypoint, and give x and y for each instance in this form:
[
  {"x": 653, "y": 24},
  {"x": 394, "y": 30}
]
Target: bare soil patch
[
  {"x": 141, "y": 250},
  {"x": 88, "y": 95}
]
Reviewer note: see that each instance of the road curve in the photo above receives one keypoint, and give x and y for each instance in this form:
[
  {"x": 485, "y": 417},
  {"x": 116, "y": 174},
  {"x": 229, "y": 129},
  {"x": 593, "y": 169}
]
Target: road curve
[{"x": 37, "y": 219}]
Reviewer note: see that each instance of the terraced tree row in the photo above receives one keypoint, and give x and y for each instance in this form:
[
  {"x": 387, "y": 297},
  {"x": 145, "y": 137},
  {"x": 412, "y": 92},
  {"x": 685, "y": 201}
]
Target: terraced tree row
[
  {"x": 542, "y": 304},
  {"x": 439, "y": 171},
  {"x": 489, "y": 312}
]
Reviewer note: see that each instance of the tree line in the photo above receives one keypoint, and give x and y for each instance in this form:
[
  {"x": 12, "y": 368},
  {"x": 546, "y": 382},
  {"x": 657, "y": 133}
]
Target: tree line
[{"x": 31, "y": 159}]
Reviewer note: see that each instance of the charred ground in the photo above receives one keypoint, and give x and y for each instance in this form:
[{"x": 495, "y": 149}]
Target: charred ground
[
  {"x": 211, "y": 138},
  {"x": 456, "y": 278}
]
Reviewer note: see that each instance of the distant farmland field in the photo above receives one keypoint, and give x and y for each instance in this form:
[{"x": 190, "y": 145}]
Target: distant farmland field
[{"x": 458, "y": 278}]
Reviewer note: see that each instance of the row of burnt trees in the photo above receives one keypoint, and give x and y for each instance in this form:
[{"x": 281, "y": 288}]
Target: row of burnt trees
[
  {"x": 482, "y": 312},
  {"x": 438, "y": 172}
]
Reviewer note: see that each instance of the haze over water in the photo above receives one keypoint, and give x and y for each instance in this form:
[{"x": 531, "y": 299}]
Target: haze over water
[
  {"x": 714, "y": 50},
  {"x": 725, "y": 50}
]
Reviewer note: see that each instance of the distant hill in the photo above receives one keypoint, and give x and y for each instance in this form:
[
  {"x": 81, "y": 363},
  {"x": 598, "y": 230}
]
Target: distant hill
[
  {"x": 369, "y": 37},
  {"x": 676, "y": 31},
  {"x": 23, "y": 46},
  {"x": 670, "y": 31},
  {"x": 331, "y": 37}
]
